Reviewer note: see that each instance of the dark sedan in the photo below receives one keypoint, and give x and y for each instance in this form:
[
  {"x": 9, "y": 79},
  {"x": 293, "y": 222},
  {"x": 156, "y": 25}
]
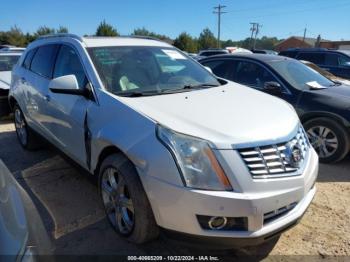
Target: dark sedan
[{"x": 322, "y": 105}]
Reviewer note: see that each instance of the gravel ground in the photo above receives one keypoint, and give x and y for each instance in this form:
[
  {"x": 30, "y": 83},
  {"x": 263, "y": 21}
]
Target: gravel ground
[{"x": 68, "y": 202}]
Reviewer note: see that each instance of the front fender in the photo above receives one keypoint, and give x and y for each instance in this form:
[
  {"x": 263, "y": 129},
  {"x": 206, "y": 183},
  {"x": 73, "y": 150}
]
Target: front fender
[{"x": 115, "y": 124}]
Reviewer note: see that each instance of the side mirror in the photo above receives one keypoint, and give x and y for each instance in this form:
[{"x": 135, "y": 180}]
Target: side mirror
[
  {"x": 67, "y": 84},
  {"x": 209, "y": 69},
  {"x": 272, "y": 87}
]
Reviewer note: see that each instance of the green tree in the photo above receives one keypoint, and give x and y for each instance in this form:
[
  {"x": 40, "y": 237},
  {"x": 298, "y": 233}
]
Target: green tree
[
  {"x": 44, "y": 30},
  {"x": 62, "y": 29},
  {"x": 186, "y": 43},
  {"x": 144, "y": 32},
  {"x": 206, "y": 39},
  {"x": 105, "y": 29},
  {"x": 15, "y": 37}
]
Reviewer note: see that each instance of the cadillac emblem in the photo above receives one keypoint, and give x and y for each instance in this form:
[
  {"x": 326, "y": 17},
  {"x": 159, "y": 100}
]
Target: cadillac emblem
[{"x": 293, "y": 153}]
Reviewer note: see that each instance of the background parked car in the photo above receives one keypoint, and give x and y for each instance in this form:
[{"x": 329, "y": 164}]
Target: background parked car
[
  {"x": 7, "y": 60},
  {"x": 22, "y": 233},
  {"x": 322, "y": 105},
  {"x": 213, "y": 51},
  {"x": 264, "y": 51},
  {"x": 336, "y": 62},
  {"x": 235, "y": 49},
  {"x": 326, "y": 73}
]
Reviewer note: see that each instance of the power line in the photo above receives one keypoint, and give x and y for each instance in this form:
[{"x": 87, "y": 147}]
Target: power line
[
  {"x": 291, "y": 12},
  {"x": 218, "y": 10}
]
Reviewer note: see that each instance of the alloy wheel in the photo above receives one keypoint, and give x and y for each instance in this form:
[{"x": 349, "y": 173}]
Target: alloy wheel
[
  {"x": 117, "y": 201},
  {"x": 324, "y": 140},
  {"x": 21, "y": 128}
]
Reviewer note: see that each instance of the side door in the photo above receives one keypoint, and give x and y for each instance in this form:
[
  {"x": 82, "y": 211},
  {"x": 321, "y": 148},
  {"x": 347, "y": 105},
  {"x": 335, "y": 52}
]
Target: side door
[
  {"x": 66, "y": 111},
  {"x": 36, "y": 81},
  {"x": 259, "y": 77}
]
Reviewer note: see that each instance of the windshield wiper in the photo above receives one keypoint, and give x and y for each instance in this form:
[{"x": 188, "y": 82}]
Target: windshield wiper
[
  {"x": 335, "y": 83},
  {"x": 138, "y": 93},
  {"x": 188, "y": 87}
]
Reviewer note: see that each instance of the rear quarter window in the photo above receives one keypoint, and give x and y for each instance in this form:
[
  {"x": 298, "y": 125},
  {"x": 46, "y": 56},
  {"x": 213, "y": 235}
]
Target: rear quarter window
[{"x": 28, "y": 58}]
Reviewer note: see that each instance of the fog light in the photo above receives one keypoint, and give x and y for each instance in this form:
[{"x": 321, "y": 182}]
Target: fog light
[
  {"x": 223, "y": 223},
  {"x": 217, "y": 222}
]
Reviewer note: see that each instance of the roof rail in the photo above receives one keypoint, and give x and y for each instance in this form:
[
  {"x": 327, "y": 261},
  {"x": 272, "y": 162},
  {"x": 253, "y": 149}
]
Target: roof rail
[
  {"x": 60, "y": 35},
  {"x": 127, "y": 36},
  {"x": 307, "y": 48}
]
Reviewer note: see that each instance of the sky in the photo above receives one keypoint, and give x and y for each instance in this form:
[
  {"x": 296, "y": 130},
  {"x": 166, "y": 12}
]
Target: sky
[{"x": 280, "y": 18}]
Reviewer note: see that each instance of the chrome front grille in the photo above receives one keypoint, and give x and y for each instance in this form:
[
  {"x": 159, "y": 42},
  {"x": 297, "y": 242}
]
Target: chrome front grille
[{"x": 274, "y": 160}]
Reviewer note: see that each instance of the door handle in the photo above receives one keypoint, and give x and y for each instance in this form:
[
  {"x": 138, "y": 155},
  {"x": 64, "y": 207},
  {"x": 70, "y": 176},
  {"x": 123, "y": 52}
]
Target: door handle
[{"x": 47, "y": 98}]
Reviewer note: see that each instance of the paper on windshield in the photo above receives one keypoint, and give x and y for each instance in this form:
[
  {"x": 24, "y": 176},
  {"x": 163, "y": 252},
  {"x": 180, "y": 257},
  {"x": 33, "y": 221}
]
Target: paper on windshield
[
  {"x": 315, "y": 84},
  {"x": 173, "y": 54}
]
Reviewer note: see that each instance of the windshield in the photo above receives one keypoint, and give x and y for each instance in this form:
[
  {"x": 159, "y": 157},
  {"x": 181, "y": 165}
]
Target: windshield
[
  {"x": 151, "y": 70},
  {"x": 7, "y": 62},
  {"x": 299, "y": 75}
]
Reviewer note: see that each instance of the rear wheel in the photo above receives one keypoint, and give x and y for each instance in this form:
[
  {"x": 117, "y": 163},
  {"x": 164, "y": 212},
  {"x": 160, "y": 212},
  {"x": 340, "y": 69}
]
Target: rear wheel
[
  {"x": 125, "y": 201},
  {"x": 26, "y": 136},
  {"x": 329, "y": 138}
]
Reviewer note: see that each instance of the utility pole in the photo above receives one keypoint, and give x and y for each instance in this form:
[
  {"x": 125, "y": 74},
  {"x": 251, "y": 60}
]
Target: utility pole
[
  {"x": 304, "y": 35},
  {"x": 255, "y": 31},
  {"x": 251, "y": 37},
  {"x": 218, "y": 10}
]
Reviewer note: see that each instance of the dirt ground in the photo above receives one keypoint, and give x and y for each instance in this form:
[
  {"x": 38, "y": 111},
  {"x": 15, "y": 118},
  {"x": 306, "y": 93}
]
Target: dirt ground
[{"x": 71, "y": 209}]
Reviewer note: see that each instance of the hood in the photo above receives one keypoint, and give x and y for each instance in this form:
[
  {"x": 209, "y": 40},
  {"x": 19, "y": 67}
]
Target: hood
[
  {"x": 5, "y": 79},
  {"x": 341, "y": 91},
  {"x": 334, "y": 98},
  {"x": 228, "y": 116}
]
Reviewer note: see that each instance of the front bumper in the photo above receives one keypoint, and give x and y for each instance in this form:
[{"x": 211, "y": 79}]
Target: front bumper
[{"x": 176, "y": 208}]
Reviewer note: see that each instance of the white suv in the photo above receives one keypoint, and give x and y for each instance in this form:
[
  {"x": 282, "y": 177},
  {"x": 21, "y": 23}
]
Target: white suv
[{"x": 174, "y": 147}]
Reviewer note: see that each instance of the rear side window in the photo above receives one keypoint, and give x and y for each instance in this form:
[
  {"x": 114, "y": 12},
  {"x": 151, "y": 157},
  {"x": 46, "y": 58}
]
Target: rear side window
[
  {"x": 28, "y": 59},
  {"x": 68, "y": 63},
  {"x": 222, "y": 68},
  {"x": 43, "y": 60},
  {"x": 316, "y": 58}
]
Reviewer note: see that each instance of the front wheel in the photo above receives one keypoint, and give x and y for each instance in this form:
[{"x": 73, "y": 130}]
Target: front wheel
[
  {"x": 26, "y": 136},
  {"x": 329, "y": 138},
  {"x": 125, "y": 201}
]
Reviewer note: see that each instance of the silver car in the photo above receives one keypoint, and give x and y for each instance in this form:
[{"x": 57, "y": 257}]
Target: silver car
[
  {"x": 7, "y": 60},
  {"x": 173, "y": 146},
  {"x": 22, "y": 233}
]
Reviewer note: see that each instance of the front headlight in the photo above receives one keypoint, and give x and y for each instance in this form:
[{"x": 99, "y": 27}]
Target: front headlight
[{"x": 197, "y": 162}]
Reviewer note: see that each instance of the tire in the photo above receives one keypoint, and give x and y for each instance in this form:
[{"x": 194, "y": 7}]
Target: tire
[
  {"x": 28, "y": 139},
  {"x": 143, "y": 227},
  {"x": 327, "y": 135}
]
